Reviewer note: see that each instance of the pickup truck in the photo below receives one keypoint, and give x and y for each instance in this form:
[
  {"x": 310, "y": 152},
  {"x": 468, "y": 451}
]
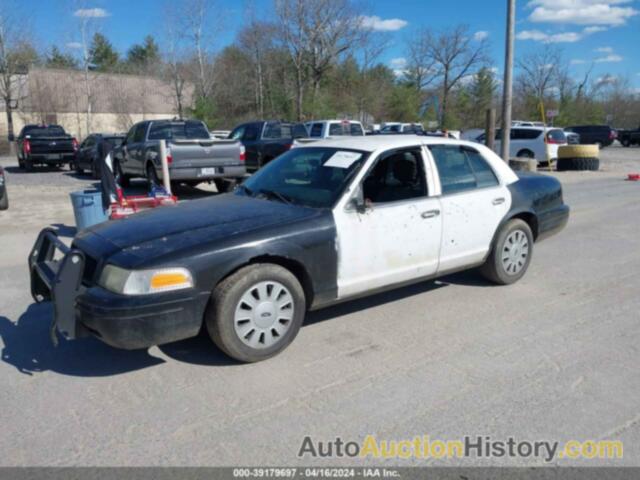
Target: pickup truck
[
  {"x": 335, "y": 128},
  {"x": 46, "y": 145},
  {"x": 193, "y": 156},
  {"x": 629, "y": 137},
  {"x": 266, "y": 140},
  {"x": 323, "y": 223}
]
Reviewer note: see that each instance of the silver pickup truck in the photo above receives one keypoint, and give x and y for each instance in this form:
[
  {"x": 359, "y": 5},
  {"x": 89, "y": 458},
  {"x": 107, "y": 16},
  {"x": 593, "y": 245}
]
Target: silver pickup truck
[{"x": 193, "y": 155}]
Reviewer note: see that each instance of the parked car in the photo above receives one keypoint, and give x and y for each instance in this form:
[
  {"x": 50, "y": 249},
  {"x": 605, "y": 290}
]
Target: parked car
[
  {"x": 265, "y": 140},
  {"x": 321, "y": 224},
  {"x": 88, "y": 155},
  {"x": 601, "y": 135},
  {"x": 629, "y": 137},
  {"x": 526, "y": 123},
  {"x": 395, "y": 128},
  {"x": 572, "y": 138},
  {"x": 193, "y": 156},
  {"x": 45, "y": 145},
  {"x": 529, "y": 142},
  {"x": 4, "y": 196},
  {"x": 334, "y": 128}
]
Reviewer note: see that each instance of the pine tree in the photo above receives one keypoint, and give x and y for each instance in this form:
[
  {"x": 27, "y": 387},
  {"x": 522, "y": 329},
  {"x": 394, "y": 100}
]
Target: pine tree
[
  {"x": 102, "y": 54},
  {"x": 56, "y": 59}
]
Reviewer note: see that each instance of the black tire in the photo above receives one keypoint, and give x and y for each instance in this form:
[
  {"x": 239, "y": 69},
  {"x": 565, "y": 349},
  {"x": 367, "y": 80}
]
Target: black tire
[
  {"x": 494, "y": 268},
  {"x": 626, "y": 143},
  {"x": 95, "y": 170},
  {"x": 591, "y": 164},
  {"x": 4, "y": 200},
  {"x": 220, "y": 315},
  {"x": 224, "y": 185},
  {"x": 121, "y": 178},
  {"x": 28, "y": 165},
  {"x": 75, "y": 166},
  {"x": 152, "y": 175},
  {"x": 20, "y": 164},
  {"x": 525, "y": 154}
]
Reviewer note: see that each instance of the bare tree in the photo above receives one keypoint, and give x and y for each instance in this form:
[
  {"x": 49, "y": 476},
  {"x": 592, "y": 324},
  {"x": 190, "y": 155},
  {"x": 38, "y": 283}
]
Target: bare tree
[
  {"x": 316, "y": 33},
  {"x": 194, "y": 19},
  {"x": 257, "y": 39},
  {"x": 16, "y": 54},
  {"x": 539, "y": 72},
  {"x": 448, "y": 56}
]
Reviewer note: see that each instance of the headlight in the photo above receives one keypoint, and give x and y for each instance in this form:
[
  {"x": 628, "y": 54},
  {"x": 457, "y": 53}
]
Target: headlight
[{"x": 144, "y": 282}]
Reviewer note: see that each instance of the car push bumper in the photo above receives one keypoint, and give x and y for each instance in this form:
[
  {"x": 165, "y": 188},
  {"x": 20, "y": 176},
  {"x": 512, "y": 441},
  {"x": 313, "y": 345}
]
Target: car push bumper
[{"x": 118, "y": 320}]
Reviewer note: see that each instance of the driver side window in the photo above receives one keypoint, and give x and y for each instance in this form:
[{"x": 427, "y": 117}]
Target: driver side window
[{"x": 397, "y": 176}]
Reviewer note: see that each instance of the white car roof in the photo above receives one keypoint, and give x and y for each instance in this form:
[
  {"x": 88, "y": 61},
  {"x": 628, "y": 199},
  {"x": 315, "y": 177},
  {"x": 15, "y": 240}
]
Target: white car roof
[{"x": 372, "y": 143}]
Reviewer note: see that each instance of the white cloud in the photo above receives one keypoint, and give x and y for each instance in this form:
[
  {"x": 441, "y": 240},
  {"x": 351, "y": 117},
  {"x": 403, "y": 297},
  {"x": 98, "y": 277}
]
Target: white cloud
[
  {"x": 378, "y": 24},
  {"x": 91, "y": 13},
  {"x": 582, "y": 12},
  {"x": 538, "y": 36},
  {"x": 607, "y": 80},
  {"x": 612, "y": 58},
  {"x": 563, "y": 37},
  {"x": 399, "y": 62},
  {"x": 577, "y": 61},
  {"x": 604, "y": 50},
  {"x": 480, "y": 35},
  {"x": 74, "y": 45}
]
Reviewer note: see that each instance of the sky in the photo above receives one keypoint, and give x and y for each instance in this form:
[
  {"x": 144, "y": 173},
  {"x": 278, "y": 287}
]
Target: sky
[{"x": 605, "y": 34}]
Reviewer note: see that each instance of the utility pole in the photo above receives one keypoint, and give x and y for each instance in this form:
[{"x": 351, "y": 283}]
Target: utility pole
[{"x": 508, "y": 80}]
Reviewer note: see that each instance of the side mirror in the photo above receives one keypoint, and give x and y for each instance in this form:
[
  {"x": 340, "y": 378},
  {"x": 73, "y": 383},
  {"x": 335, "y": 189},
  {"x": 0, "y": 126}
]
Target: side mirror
[{"x": 358, "y": 202}]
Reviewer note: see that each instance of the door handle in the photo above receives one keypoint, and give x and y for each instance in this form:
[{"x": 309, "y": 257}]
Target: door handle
[
  {"x": 430, "y": 214},
  {"x": 498, "y": 201}
]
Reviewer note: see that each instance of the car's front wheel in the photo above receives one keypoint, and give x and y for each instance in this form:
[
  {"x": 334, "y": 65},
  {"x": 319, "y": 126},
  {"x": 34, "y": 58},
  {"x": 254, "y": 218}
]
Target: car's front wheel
[
  {"x": 256, "y": 312},
  {"x": 511, "y": 253}
]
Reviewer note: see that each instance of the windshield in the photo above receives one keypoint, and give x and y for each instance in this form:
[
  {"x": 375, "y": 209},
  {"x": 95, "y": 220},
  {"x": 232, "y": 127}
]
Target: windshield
[
  {"x": 312, "y": 177},
  {"x": 50, "y": 131}
]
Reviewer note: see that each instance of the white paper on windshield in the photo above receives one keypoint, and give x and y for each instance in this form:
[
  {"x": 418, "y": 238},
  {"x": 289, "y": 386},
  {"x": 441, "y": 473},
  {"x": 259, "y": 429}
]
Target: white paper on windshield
[{"x": 342, "y": 159}]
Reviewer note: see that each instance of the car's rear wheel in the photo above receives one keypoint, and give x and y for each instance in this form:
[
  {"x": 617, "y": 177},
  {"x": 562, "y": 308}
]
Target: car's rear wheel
[
  {"x": 511, "y": 253},
  {"x": 256, "y": 312},
  {"x": 20, "y": 164},
  {"x": 28, "y": 164},
  {"x": 224, "y": 185},
  {"x": 626, "y": 143}
]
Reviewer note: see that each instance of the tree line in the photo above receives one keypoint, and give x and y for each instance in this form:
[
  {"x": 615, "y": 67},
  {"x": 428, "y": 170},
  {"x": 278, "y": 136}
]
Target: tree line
[{"x": 323, "y": 59}]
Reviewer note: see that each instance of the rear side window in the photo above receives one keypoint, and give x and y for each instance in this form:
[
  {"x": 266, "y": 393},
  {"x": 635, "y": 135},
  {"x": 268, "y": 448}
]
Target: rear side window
[
  {"x": 356, "y": 129},
  {"x": 273, "y": 130},
  {"x": 316, "y": 130},
  {"x": 524, "y": 134},
  {"x": 159, "y": 131},
  {"x": 461, "y": 169},
  {"x": 335, "y": 129}
]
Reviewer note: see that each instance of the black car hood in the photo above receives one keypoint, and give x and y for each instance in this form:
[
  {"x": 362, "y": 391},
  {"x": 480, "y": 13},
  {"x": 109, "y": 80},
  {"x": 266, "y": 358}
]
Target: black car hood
[{"x": 167, "y": 229}]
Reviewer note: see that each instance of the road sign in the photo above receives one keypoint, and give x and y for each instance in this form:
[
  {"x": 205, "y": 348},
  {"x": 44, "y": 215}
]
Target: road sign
[{"x": 552, "y": 113}]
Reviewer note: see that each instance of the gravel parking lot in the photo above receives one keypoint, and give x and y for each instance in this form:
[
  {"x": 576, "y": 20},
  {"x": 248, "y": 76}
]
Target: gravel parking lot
[{"x": 554, "y": 356}]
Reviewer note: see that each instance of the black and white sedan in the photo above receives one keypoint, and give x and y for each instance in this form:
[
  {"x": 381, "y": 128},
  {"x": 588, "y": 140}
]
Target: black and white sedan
[{"x": 320, "y": 224}]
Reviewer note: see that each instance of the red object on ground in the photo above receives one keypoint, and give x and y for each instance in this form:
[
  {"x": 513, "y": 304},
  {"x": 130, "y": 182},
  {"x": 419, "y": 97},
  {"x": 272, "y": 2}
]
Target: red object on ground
[
  {"x": 634, "y": 177},
  {"x": 126, "y": 206}
]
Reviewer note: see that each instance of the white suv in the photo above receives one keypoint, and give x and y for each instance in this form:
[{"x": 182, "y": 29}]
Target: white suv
[
  {"x": 529, "y": 142},
  {"x": 334, "y": 128}
]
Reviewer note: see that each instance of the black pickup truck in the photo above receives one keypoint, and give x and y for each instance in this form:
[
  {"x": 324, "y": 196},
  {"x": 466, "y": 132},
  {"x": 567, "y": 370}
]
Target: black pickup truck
[
  {"x": 629, "y": 137},
  {"x": 45, "y": 145},
  {"x": 265, "y": 140}
]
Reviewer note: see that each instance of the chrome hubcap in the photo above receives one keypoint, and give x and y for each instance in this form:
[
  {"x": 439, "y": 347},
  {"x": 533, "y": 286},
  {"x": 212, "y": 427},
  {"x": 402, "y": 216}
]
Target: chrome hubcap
[
  {"x": 264, "y": 314},
  {"x": 515, "y": 252}
]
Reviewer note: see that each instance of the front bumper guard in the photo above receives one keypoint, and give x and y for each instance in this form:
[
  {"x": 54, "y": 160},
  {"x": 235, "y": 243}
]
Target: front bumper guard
[{"x": 57, "y": 278}]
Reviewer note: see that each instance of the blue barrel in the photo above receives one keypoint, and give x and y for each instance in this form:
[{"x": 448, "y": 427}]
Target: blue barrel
[{"x": 87, "y": 208}]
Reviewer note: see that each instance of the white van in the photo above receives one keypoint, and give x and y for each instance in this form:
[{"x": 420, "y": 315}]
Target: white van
[{"x": 334, "y": 128}]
